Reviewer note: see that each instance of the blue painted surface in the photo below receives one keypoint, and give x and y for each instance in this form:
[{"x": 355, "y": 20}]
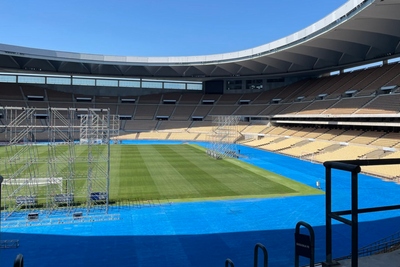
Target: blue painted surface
[{"x": 206, "y": 233}]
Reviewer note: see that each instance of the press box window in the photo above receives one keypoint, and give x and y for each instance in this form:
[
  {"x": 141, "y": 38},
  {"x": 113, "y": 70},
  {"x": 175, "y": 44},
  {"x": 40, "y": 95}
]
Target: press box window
[
  {"x": 254, "y": 84},
  {"x": 234, "y": 85}
]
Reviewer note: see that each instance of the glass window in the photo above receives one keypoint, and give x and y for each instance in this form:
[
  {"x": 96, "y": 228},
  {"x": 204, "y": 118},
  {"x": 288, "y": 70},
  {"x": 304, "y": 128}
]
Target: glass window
[
  {"x": 135, "y": 84},
  {"x": 51, "y": 80},
  {"x": 175, "y": 86},
  {"x": 234, "y": 85},
  {"x": 88, "y": 82},
  {"x": 254, "y": 84},
  {"x": 107, "y": 83},
  {"x": 152, "y": 85},
  {"x": 195, "y": 86},
  {"x": 8, "y": 78},
  {"x": 29, "y": 79}
]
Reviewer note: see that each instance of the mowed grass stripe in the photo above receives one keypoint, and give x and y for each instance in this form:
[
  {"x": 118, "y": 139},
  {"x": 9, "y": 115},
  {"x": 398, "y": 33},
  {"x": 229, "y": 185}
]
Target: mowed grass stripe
[
  {"x": 170, "y": 183},
  {"x": 136, "y": 181},
  {"x": 241, "y": 180},
  {"x": 204, "y": 183}
]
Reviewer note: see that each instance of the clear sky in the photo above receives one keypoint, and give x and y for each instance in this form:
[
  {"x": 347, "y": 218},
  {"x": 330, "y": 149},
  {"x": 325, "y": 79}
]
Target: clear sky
[{"x": 155, "y": 27}]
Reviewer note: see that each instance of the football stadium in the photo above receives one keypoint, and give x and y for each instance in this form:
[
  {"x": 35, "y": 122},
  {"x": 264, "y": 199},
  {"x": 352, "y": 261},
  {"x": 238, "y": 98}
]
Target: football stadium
[{"x": 285, "y": 154}]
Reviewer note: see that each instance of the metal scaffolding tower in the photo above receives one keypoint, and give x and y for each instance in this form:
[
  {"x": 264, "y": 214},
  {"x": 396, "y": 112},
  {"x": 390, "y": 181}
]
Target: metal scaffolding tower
[
  {"x": 61, "y": 159},
  {"x": 222, "y": 139},
  {"x": 20, "y": 163},
  {"x": 56, "y": 181},
  {"x": 97, "y": 128}
]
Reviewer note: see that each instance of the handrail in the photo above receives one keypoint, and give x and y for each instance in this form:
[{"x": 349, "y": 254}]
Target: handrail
[
  {"x": 19, "y": 261},
  {"x": 353, "y": 166},
  {"x": 256, "y": 248},
  {"x": 394, "y": 236},
  {"x": 229, "y": 262},
  {"x": 311, "y": 256}
]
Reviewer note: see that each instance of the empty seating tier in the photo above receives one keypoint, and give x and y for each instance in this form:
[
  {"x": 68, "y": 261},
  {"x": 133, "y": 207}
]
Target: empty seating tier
[
  {"x": 383, "y": 104},
  {"x": 145, "y": 112},
  {"x": 140, "y": 126},
  {"x": 286, "y": 143},
  {"x": 345, "y": 153},
  {"x": 174, "y": 126},
  {"x": 307, "y": 149},
  {"x": 348, "y": 105}
]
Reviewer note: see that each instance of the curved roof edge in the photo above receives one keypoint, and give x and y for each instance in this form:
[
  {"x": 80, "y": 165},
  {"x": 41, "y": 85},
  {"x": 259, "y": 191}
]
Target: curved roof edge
[{"x": 337, "y": 17}]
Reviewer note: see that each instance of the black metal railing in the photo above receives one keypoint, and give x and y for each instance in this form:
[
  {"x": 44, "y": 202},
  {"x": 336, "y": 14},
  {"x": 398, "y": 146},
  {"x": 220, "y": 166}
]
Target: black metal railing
[
  {"x": 352, "y": 166},
  {"x": 19, "y": 261}
]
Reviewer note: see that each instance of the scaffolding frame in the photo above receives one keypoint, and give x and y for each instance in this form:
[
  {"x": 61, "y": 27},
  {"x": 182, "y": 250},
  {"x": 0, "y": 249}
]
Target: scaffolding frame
[
  {"x": 96, "y": 130},
  {"x": 34, "y": 180},
  {"x": 222, "y": 139},
  {"x": 61, "y": 161},
  {"x": 20, "y": 166}
]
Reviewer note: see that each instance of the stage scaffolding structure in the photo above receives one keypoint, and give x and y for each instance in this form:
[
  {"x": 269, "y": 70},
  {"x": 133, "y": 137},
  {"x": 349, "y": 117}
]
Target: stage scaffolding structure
[
  {"x": 222, "y": 139},
  {"x": 97, "y": 131},
  {"x": 54, "y": 181}
]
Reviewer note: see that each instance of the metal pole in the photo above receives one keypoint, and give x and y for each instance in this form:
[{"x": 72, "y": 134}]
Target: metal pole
[
  {"x": 258, "y": 245},
  {"x": 354, "y": 219},
  {"x": 108, "y": 159},
  {"x": 312, "y": 243},
  {"x": 328, "y": 208},
  {"x": 228, "y": 263}
]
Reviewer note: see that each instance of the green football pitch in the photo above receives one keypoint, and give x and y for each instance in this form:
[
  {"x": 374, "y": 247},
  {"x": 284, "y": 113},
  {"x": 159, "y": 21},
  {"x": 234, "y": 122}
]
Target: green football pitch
[
  {"x": 185, "y": 173},
  {"x": 179, "y": 173}
]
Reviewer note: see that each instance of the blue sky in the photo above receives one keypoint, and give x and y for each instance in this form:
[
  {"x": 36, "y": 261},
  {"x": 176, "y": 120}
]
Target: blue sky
[{"x": 155, "y": 27}]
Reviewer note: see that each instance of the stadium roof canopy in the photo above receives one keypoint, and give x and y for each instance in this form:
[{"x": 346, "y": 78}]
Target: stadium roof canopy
[{"x": 360, "y": 31}]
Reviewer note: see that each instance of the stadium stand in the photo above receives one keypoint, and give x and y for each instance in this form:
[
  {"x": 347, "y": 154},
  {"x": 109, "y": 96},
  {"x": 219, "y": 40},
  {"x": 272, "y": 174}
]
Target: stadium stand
[
  {"x": 222, "y": 110},
  {"x": 152, "y": 136},
  {"x": 183, "y": 113},
  {"x": 306, "y": 149},
  {"x": 202, "y": 111},
  {"x": 295, "y": 108},
  {"x": 387, "y": 171},
  {"x": 367, "y": 137},
  {"x": 347, "y": 136},
  {"x": 148, "y": 125},
  {"x": 201, "y": 126},
  {"x": 285, "y": 143},
  {"x": 262, "y": 141},
  {"x": 383, "y": 104},
  {"x": 145, "y": 112},
  {"x": 254, "y": 128},
  {"x": 150, "y": 99},
  {"x": 388, "y": 140},
  {"x": 348, "y": 105},
  {"x": 190, "y": 99},
  {"x": 344, "y": 153},
  {"x": 165, "y": 110},
  {"x": 317, "y": 107},
  {"x": 175, "y": 126},
  {"x": 329, "y": 135},
  {"x": 183, "y": 136}
]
